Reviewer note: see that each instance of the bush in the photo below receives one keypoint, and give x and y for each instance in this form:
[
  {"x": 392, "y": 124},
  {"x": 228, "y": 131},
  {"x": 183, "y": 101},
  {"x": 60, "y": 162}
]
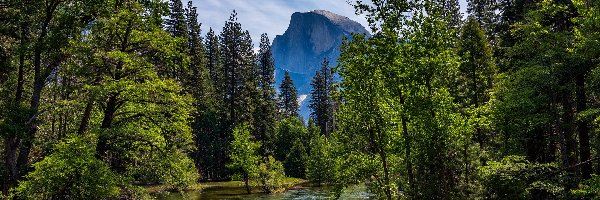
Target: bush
[
  {"x": 295, "y": 161},
  {"x": 71, "y": 172},
  {"x": 271, "y": 176},
  {"x": 590, "y": 189},
  {"x": 244, "y": 155},
  {"x": 516, "y": 178},
  {"x": 179, "y": 172},
  {"x": 319, "y": 167}
]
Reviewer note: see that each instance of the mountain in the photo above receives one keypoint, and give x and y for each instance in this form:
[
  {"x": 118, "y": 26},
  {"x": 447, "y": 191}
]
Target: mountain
[{"x": 310, "y": 38}]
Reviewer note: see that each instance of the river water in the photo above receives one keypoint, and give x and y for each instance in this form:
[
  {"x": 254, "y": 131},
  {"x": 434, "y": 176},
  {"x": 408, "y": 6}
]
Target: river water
[{"x": 297, "y": 193}]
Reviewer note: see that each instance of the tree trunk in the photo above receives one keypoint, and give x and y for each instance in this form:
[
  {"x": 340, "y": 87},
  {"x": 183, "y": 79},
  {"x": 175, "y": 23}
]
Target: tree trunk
[
  {"x": 582, "y": 128},
  {"x": 386, "y": 174},
  {"x": 111, "y": 104},
  {"x": 20, "y": 78},
  {"x": 109, "y": 112},
  {"x": 407, "y": 148},
  {"x": 11, "y": 142},
  {"x": 246, "y": 182},
  {"x": 85, "y": 120},
  {"x": 10, "y": 152},
  {"x": 568, "y": 143},
  {"x": 38, "y": 85}
]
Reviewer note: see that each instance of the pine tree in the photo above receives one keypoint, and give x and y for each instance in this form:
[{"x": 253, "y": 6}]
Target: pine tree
[
  {"x": 266, "y": 111},
  {"x": 484, "y": 12},
  {"x": 475, "y": 76},
  {"x": 288, "y": 98},
  {"x": 198, "y": 78},
  {"x": 213, "y": 56},
  {"x": 450, "y": 11},
  {"x": 477, "y": 72},
  {"x": 178, "y": 27},
  {"x": 214, "y": 143},
  {"x": 295, "y": 161},
  {"x": 206, "y": 124},
  {"x": 511, "y": 13},
  {"x": 321, "y": 102},
  {"x": 239, "y": 73},
  {"x": 176, "y": 24}
]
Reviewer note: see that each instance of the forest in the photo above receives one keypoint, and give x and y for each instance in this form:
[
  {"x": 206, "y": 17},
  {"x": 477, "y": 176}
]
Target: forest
[{"x": 102, "y": 98}]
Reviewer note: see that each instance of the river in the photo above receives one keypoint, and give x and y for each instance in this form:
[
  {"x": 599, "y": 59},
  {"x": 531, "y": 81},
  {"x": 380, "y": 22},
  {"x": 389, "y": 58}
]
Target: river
[{"x": 296, "y": 193}]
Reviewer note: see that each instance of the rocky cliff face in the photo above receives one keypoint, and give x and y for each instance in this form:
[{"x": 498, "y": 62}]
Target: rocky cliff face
[{"x": 310, "y": 37}]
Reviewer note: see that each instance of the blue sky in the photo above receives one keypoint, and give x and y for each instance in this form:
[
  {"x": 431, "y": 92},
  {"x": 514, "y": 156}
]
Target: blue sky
[{"x": 268, "y": 16}]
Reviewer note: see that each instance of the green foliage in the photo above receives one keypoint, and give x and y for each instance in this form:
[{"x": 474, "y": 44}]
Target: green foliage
[
  {"x": 589, "y": 189},
  {"x": 266, "y": 112},
  {"x": 178, "y": 171},
  {"x": 484, "y": 11},
  {"x": 422, "y": 114},
  {"x": 398, "y": 126},
  {"x": 244, "y": 156},
  {"x": 319, "y": 165},
  {"x": 288, "y": 98},
  {"x": 295, "y": 160},
  {"x": 71, "y": 172},
  {"x": 476, "y": 73},
  {"x": 240, "y": 83},
  {"x": 290, "y": 131},
  {"x": 176, "y": 23},
  {"x": 516, "y": 178},
  {"x": 321, "y": 102},
  {"x": 142, "y": 118},
  {"x": 271, "y": 176}
]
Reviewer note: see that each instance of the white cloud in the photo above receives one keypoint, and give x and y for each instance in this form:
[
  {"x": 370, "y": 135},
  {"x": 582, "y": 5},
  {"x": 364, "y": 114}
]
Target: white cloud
[{"x": 301, "y": 99}]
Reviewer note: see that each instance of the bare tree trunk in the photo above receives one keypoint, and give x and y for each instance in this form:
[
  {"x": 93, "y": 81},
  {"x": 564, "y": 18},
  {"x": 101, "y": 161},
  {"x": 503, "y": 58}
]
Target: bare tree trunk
[
  {"x": 582, "y": 128},
  {"x": 568, "y": 143},
  {"x": 10, "y": 152},
  {"x": 407, "y": 148},
  {"x": 85, "y": 120},
  {"x": 246, "y": 182}
]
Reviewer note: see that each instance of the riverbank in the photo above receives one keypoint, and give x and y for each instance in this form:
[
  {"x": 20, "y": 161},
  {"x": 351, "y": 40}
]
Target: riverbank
[{"x": 288, "y": 183}]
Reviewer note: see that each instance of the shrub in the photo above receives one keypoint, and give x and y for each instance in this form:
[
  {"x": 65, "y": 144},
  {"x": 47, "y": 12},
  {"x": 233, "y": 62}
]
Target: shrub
[
  {"x": 589, "y": 189},
  {"x": 516, "y": 178},
  {"x": 271, "y": 175},
  {"x": 319, "y": 167},
  {"x": 71, "y": 172}
]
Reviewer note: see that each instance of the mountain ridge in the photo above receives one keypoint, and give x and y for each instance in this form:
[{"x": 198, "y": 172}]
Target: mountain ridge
[{"x": 310, "y": 37}]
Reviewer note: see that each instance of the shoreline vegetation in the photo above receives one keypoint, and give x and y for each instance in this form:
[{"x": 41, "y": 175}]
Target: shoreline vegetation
[{"x": 288, "y": 183}]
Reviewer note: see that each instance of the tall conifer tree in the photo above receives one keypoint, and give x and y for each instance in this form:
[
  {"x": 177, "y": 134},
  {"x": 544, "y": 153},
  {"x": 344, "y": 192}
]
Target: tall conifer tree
[
  {"x": 484, "y": 11},
  {"x": 265, "y": 115},
  {"x": 200, "y": 86},
  {"x": 178, "y": 27},
  {"x": 176, "y": 24},
  {"x": 239, "y": 73},
  {"x": 213, "y": 56},
  {"x": 288, "y": 98},
  {"x": 321, "y": 103}
]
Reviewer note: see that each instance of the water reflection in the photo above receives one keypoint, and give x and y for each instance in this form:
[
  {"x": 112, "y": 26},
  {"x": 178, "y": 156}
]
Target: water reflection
[{"x": 297, "y": 193}]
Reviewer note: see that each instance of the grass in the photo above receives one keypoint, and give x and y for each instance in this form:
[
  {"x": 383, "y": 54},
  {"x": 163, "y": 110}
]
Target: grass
[{"x": 288, "y": 182}]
